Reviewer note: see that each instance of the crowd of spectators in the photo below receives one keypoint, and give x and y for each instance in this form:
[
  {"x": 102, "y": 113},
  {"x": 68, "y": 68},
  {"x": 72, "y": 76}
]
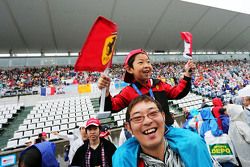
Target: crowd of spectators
[
  {"x": 215, "y": 79},
  {"x": 28, "y": 78},
  {"x": 212, "y": 79},
  {"x": 224, "y": 123}
]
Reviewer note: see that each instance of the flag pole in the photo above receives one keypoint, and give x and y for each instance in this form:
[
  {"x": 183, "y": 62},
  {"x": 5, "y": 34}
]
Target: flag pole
[{"x": 103, "y": 92}]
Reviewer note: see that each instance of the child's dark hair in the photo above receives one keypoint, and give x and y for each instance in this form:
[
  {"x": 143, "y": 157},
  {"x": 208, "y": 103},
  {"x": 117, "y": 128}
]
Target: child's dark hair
[
  {"x": 222, "y": 110},
  {"x": 131, "y": 60},
  {"x": 31, "y": 158}
]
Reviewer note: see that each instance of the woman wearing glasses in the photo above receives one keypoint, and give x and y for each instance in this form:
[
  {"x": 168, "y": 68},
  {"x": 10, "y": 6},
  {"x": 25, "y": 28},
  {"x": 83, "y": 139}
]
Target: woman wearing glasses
[{"x": 155, "y": 144}]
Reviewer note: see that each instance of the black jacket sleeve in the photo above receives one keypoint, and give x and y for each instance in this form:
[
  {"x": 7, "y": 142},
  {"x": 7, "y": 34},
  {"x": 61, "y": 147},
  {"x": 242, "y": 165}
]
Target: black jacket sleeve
[{"x": 79, "y": 158}]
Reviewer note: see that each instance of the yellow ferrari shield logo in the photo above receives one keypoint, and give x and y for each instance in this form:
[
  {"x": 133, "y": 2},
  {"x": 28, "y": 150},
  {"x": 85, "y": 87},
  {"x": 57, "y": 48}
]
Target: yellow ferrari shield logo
[{"x": 108, "y": 49}]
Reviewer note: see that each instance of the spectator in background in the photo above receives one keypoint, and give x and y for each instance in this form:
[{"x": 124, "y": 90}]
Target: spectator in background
[
  {"x": 106, "y": 133},
  {"x": 209, "y": 123},
  {"x": 245, "y": 94},
  {"x": 204, "y": 103},
  {"x": 217, "y": 105},
  {"x": 237, "y": 100},
  {"x": 239, "y": 132},
  {"x": 95, "y": 151},
  {"x": 224, "y": 120},
  {"x": 39, "y": 155},
  {"x": 247, "y": 108},
  {"x": 38, "y": 140},
  {"x": 28, "y": 143},
  {"x": 124, "y": 135},
  {"x": 185, "y": 112},
  {"x": 189, "y": 115},
  {"x": 41, "y": 137},
  {"x": 156, "y": 144},
  {"x": 76, "y": 139},
  {"x": 175, "y": 124}
]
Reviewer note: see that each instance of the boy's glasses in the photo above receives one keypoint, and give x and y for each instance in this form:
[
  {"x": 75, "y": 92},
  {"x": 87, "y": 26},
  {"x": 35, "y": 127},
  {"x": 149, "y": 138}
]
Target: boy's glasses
[{"x": 140, "y": 119}]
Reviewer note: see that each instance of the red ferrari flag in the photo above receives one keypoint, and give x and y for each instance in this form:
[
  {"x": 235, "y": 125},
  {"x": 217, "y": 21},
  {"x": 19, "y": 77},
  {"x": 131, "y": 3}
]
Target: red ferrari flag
[
  {"x": 97, "y": 51},
  {"x": 188, "y": 42}
]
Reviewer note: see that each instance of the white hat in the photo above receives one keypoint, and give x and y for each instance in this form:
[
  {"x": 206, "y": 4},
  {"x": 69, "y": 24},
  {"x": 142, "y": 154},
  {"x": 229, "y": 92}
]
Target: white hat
[{"x": 244, "y": 91}]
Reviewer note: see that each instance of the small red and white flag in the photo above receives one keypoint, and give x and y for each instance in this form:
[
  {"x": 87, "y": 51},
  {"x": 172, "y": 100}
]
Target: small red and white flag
[
  {"x": 188, "y": 43},
  {"x": 97, "y": 51}
]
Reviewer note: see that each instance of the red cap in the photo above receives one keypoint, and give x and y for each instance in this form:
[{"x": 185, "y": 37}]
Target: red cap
[
  {"x": 127, "y": 76},
  {"x": 93, "y": 121},
  {"x": 104, "y": 134},
  {"x": 44, "y": 134}
]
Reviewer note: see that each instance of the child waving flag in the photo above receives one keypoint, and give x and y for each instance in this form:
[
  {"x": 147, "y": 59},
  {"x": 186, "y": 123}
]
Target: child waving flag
[{"x": 138, "y": 74}]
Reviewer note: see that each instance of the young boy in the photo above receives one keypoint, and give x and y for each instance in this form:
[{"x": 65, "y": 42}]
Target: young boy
[
  {"x": 138, "y": 74},
  {"x": 155, "y": 144},
  {"x": 95, "y": 151},
  {"x": 224, "y": 120}
]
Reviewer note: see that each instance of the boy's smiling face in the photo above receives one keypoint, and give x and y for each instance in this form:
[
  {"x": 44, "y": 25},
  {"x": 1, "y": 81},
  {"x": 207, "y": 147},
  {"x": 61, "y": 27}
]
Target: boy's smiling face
[{"x": 142, "y": 68}]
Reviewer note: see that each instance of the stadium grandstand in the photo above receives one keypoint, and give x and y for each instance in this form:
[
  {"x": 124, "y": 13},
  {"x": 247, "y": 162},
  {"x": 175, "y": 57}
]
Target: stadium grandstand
[{"x": 40, "y": 91}]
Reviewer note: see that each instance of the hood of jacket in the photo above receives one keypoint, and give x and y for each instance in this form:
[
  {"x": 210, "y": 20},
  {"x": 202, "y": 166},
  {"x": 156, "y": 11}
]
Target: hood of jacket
[
  {"x": 236, "y": 112},
  {"x": 217, "y": 102},
  {"x": 206, "y": 114},
  {"x": 209, "y": 123},
  {"x": 77, "y": 133}
]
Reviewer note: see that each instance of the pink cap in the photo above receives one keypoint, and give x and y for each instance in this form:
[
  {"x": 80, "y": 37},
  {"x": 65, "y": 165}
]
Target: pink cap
[{"x": 127, "y": 76}]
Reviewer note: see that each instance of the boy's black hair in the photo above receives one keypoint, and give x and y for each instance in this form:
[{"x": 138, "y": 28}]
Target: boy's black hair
[
  {"x": 31, "y": 158},
  {"x": 222, "y": 111},
  {"x": 105, "y": 127},
  {"x": 40, "y": 135},
  {"x": 38, "y": 140}
]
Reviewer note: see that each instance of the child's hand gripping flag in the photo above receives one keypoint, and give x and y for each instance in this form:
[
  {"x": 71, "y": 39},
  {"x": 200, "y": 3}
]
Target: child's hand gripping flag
[{"x": 97, "y": 51}]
